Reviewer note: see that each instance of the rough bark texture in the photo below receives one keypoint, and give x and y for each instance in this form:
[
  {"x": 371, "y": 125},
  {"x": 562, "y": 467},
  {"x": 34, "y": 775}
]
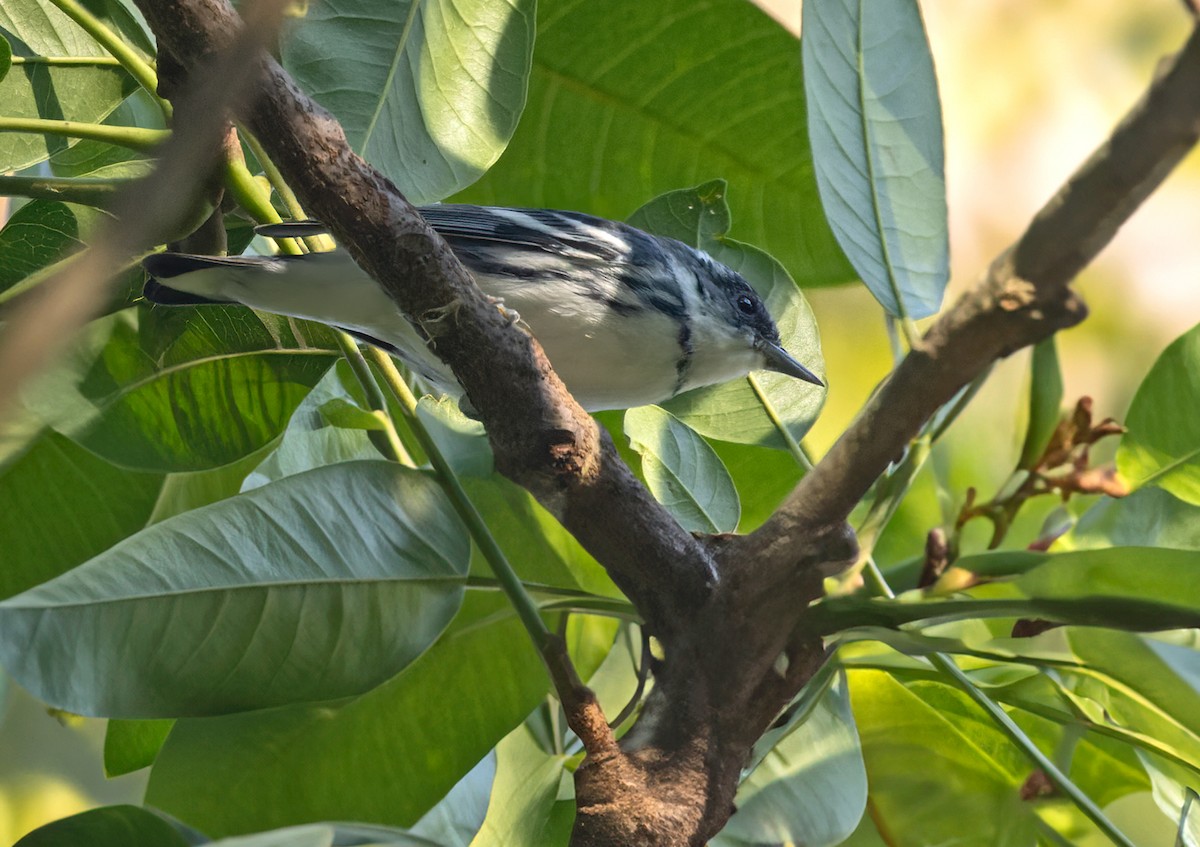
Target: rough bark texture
[{"x": 672, "y": 779}]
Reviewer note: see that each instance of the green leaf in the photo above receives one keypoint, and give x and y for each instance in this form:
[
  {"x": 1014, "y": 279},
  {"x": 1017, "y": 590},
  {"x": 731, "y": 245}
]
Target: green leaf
[
  {"x": 427, "y": 727},
  {"x": 124, "y": 18},
  {"x": 132, "y": 745},
  {"x": 1167, "y": 578},
  {"x": 1149, "y": 517},
  {"x": 344, "y": 414},
  {"x": 60, "y": 505},
  {"x": 876, "y": 129},
  {"x": 182, "y": 492},
  {"x": 309, "y": 835},
  {"x": 110, "y": 826},
  {"x": 682, "y": 471},
  {"x": 1175, "y": 796},
  {"x": 541, "y": 551},
  {"x": 651, "y": 99},
  {"x": 458, "y": 816},
  {"x": 40, "y": 232},
  {"x": 811, "y": 789},
  {"x": 1149, "y": 686},
  {"x": 75, "y": 93},
  {"x": 1157, "y": 672},
  {"x": 1162, "y": 444},
  {"x": 462, "y": 440},
  {"x": 1045, "y": 401},
  {"x": 429, "y": 92},
  {"x": 5, "y": 57},
  {"x": 311, "y": 440},
  {"x": 761, "y": 477},
  {"x": 734, "y": 412},
  {"x": 523, "y": 794},
  {"x": 182, "y": 393},
  {"x": 969, "y": 767},
  {"x": 320, "y": 586},
  {"x": 41, "y": 237},
  {"x": 1134, "y": 588}
]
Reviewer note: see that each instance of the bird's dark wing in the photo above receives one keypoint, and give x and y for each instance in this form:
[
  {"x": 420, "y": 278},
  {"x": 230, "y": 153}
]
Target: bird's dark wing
[
  {"x": 472, "y": 230},
  {"x": 582, "y": 237}
]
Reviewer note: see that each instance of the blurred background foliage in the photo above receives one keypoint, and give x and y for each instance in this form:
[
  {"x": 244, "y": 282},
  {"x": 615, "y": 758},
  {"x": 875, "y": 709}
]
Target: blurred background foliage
[{"x": 1028, "y": 90}]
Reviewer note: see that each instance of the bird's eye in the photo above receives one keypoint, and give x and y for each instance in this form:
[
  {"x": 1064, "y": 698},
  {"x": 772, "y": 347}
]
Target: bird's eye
[{"x": 746, "y": 304}]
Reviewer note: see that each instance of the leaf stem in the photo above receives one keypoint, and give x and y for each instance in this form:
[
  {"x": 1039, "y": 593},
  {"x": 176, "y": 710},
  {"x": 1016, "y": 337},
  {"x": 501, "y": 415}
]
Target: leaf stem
[
  {"x": 135, "y": 138},
  {"x": 510, "y": 583},
  {"x": 130, "y": 59},
  {"x": 582, "y": 709},
  {"x": 395, "y": 449},
  {"x": 68, "y": 61},
  {"x": 87, "y": 191},
  {"x": 318, "y": 243},
  {"x": 793, "y": 445}
]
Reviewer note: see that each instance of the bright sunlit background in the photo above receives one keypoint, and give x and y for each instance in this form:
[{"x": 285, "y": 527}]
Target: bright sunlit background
[{"x": 1029, "y": 89}]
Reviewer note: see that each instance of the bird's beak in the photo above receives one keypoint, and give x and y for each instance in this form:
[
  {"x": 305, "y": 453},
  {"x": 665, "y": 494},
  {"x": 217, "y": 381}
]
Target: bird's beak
[{"x": 781, "y": 361}]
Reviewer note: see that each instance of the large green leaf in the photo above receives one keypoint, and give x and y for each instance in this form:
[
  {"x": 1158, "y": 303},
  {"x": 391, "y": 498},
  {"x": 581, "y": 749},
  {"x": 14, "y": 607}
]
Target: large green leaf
[
  {"x": 76, "y": 93},
  {"x": 191, "y": 390},
  {"x": 1150, "y": 687},
  {"x": 429, "y": 92},
  {"x": 811, "y": 788},
  {"x": 876, "y": 130},
  {"x": 1149, "y": 517},
  {"x": 320, "y": 586},
  {"x": 701, "y": 217},
  {"x": 453, "y": 822},
  {"x": 1161, "y": 677},
  {"x": 923, "y": 759},
  {"x": 1154, "y": 576},
  {"x": 110, "y": 826},
  {"x": 682, "y": 471},
  {"x": 1162, "y": 444},
  {"x": 630, "y": 99},
  {"x": 1132, "y": 588},
  {"x": 60, "y": 505},
  {"x": 457, "y": 817},
  {"x": 384, "y": 757}
]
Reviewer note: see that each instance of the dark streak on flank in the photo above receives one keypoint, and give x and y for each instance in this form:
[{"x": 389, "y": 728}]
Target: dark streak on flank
[{"x": 686, "y": 351}]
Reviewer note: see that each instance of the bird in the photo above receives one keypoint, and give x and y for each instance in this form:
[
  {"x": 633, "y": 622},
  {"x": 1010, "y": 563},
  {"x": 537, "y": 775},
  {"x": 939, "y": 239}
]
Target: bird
[{"x": 626, "y": 318}]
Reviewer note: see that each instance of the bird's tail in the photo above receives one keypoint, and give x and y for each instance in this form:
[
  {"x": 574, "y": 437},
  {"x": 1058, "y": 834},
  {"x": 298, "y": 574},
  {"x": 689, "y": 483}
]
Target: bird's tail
[{"x": 183, "y": 279}]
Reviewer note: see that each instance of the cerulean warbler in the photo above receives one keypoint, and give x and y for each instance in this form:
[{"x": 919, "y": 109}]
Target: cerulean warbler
[{"x": 626, "y": 318}]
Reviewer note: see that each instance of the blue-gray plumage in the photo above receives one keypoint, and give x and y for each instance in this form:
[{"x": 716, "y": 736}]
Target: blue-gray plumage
[{"x": 626, "y": 318}]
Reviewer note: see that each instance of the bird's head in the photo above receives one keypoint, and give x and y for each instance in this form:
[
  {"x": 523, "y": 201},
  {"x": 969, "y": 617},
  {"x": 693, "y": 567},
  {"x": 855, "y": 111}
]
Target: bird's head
[{"x": 735, "y": 313}]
